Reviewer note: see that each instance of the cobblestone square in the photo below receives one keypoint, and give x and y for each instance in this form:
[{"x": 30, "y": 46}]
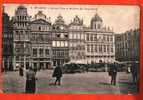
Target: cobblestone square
[{"x": 83, "y": 83}]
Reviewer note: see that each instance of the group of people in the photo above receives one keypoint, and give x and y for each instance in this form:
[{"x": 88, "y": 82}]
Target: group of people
[
  {"x": 134, "y": 71},
  {"x": 31, "y": 78},
  {"x": 57, "y": 73}
]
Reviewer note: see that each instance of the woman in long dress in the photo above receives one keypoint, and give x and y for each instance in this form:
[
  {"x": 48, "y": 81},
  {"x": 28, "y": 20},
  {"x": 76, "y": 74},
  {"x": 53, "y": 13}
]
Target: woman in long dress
[{"x": 30, "y": 81}]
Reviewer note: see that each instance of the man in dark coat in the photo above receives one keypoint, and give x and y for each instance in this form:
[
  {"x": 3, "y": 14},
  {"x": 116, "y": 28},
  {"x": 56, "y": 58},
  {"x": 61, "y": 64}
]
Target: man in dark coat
[
  {"x": 134, "y": 71},
  {"x": 21, "y": 71},
  {"x": 113, "y": 73},
  {"x": 58, "y": 74}
]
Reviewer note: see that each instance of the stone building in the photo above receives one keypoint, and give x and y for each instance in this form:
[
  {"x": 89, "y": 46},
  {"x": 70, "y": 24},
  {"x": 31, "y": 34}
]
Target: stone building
[
  {"x": 127, "y": 46},
  {"x": 100, "y": 43},
  {"x": 21, "y": 34},
  {"x": 60, "y": 42},
  {"x": 40, "y": 38},
  {"x": 39, "y": 43},
  {"x": 7, "y": 42},
  {"x": 76, "y": 41}
]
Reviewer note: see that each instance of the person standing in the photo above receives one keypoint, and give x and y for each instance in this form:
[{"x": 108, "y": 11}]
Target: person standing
[
  {"x": 35, "y": 69},
  {"x": 21, "y": 71},
  {"x": 113, "y": 74},
  {"x": 30, "y": 81},
  {"x": 58, "y": 74},
  {"x": 134, "y": 72}
]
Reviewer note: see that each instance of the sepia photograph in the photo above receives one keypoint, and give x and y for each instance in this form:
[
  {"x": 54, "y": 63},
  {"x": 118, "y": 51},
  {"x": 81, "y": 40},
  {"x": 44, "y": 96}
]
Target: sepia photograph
[{"x": 72, "y": 49}]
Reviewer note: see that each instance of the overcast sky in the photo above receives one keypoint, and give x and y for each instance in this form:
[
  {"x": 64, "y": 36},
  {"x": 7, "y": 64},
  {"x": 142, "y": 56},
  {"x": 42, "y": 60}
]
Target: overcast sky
[{"x": 121, "y": 18}]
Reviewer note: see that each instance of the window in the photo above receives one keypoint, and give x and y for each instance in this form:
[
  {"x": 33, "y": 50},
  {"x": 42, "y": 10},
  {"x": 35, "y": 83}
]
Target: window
[
  {"x": 54, "y": 43},
  {"x": 82, "y": 36},
  {"x": 34, "y": 52},
  {"x": 104, "y": 38},
  {"x": 62, "y": 44},
  {"x": 92, "y": 48},
  {"x": 17, "y": 58},
  {"x": 100, "y": 48},
  {"x": 17, "y": 50},
  {"x": 58, "y": 35},
  {"x": 95, "y": 48},
  {"x": 78, "y": 36},
  {"x": 70, "y": 35},
  {"x": 107, "y": 48},
  {"x": 25, "y": 18},
  {"x": 107, "y": 38},
  {"x": 111, "y": 38},
  {"x": 91, "y": 37},
  {"x": 95, "y": 37},
  {"x": 104, "y": 48},
  {"x": 54, "y": 63},
  {"x": 41, "y": 52},
  {"x": 112, "y": 49},
  {"x": 88, "y": 48},
  {"x": 87, "y": 38},
  {"x": 39, "y": 28},
  {"x": 66, "y": 36},
  {"x": 19, "y": 17},
  {"x": 17, "y": 36},
  {"x": 47, "y": 52},
  {"x": 58, "y": 43},
  {"x": 54, "y": 52},
  {"x": 66, "y": 43},
  {"x": 74, "y": 36}
]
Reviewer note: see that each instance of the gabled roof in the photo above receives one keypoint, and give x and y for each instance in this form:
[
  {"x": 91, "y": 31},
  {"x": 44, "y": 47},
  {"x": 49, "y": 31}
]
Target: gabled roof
[{"x": 40, "y": 21}]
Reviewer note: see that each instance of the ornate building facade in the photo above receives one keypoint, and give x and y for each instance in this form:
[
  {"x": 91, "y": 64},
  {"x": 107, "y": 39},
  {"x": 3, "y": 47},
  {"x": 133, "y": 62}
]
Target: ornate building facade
[
  {"x": 39, "y": 43},
  {"x": 77, "y": 41},
  {"x": 40, "y": 38},
  {"x": 21, "y": 34},
  {"x": 100, "y": 43},
  {"x": 60, "y": 42}
]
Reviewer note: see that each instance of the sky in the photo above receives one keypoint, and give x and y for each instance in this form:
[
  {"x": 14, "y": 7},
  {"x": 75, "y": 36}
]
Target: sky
[{"x": 120, "y": 18}]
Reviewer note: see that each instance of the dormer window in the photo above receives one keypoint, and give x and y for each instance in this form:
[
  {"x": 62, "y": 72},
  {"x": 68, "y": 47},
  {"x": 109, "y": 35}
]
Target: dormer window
[
  {"x": 66, "y": 36},
  {"x": 57, "y": 27},
  {"x": 58, "y": 35}
]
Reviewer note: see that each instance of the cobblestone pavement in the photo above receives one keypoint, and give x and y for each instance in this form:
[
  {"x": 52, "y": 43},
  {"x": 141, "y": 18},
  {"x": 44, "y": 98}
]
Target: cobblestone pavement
[{"x": 83, "y": 83}]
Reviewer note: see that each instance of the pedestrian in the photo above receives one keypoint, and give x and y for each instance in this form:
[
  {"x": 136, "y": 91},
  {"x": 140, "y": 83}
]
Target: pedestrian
[
  {"x": 87, "y": 67},
  {"x": 58, "y": 74},
  {"x": 35, "y": 69},
  {"x": 21, "y": 71},
  {"x": 113, "y": 73},
  {"x": 134, "y": 72},
  {"x": 30, "y": 81}
]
